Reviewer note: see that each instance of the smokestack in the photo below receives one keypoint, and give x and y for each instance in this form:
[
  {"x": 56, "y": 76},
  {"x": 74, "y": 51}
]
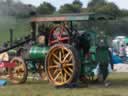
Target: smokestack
[{"x": 11, "y": 36}]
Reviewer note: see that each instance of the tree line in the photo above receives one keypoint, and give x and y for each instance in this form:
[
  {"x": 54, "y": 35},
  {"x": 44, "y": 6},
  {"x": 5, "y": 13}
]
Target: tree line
[
  {"x": 17, "y": 8},
  {"x": 20, "y": 10}
]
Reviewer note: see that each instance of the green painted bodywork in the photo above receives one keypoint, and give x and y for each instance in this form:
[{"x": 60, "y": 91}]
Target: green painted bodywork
[
  {"x": 97, "y": 56},
  {"x": 37, "y": 52},
  {"x": 88, "y": 64}
]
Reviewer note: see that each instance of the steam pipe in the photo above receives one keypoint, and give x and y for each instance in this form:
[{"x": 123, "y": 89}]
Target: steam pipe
[{"x": 14, "y": 46}]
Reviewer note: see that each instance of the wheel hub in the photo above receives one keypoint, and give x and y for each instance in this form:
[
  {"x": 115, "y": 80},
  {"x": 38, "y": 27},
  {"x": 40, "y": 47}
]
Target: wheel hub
[{"x": 60, "y": 66}]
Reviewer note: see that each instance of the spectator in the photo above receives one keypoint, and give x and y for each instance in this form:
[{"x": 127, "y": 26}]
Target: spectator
[
  {"x": 126, "y": 51},
  {"x": 122, "y": 51}
]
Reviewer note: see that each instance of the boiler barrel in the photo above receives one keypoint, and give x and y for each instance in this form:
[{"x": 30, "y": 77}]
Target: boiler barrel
[{"x": 38, "y": 52}]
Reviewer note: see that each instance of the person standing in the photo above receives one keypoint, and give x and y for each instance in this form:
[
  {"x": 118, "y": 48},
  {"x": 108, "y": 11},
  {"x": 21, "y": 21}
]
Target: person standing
[
  {"x": 122, "y": 52},
  {"x": 126, "y": 51},
  {"x": 102, "y": 57}
]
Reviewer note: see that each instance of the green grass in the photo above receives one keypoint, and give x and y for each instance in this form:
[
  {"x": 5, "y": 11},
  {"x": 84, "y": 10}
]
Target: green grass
[
  {"x": 21, "y": 27},
  {"x": 119, "y": 87}
]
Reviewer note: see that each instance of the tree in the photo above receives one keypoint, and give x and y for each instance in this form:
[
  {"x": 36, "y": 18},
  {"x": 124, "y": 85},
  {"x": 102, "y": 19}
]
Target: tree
[
  {"x": 94, "y": 3},
  {"x": 101, "y": 6},
  {"x": 124, "y": 12},
  {"x": 109, "y": 8},
  {"x": 21, "y": 10},
  {"x": 46, "y": 8},
  {"x": 66, "y": 8},
  {"x": 14, "y": 8},
  {"x": 75, "y": 7}
]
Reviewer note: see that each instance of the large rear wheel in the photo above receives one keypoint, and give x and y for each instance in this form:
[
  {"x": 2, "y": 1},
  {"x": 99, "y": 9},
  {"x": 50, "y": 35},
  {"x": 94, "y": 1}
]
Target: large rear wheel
[{"x": 62, "y": 65}]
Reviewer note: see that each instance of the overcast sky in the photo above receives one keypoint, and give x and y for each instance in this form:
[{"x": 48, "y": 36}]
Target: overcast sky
[{"x": 123, "y": 4}]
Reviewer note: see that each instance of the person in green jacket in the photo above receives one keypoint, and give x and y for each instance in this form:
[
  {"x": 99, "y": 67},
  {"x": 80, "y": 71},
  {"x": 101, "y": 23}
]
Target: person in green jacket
[{"x": 102, "y": 56}]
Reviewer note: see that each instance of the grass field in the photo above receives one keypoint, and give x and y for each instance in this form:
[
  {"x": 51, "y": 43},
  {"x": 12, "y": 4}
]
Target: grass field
[
  {"x": 20, "y": 26},
  {"x": 119, "y": 87}
]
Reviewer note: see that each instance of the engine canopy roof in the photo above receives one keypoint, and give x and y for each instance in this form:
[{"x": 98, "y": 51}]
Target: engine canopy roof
[{"x": 72, "y": 17}]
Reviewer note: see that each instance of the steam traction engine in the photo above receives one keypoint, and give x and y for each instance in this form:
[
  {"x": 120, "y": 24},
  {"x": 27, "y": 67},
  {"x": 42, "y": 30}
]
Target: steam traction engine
[{"x": 61, "y": 51}]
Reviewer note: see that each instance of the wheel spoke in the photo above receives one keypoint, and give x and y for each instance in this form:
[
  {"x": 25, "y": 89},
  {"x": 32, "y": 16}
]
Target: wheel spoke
[
  {"x": 53, "y": 67},
  {"x": 65, "y": 77},
  {"x": 62, "y": 49},
  {"x": 17, "y": 76},
  {"x": 57, "y": 75},
  {"x": 56, "y": 62},
  {"x": 62, "y": 79},
  {"x": 67, "y": 72},
  {"x": 54, "y": 73},
  {"x": 20, "y": 63},
  {"x": 20, "y": 77},
  {"x": 66, "y": 57},
  {"x": 68, "y": 65},
  {"x": 20, "y": 68},
  {"x": 19, "y": 73},
  {"x": 56, "y": 56},
  {"x": 70, "y": 70},
  {"x": 70, "y": 58},
  {"x": 60, "y": 56}
]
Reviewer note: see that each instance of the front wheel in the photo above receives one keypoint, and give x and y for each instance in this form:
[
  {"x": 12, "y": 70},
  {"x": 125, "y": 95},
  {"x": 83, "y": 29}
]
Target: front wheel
[{"x": 19, "y": 73}]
